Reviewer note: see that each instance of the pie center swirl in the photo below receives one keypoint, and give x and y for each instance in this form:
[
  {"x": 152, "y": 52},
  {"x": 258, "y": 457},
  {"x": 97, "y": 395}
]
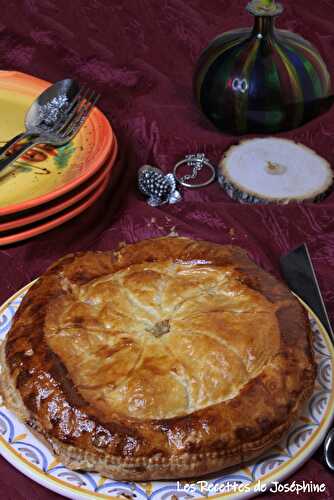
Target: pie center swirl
[{"x": 160, "y": 340}]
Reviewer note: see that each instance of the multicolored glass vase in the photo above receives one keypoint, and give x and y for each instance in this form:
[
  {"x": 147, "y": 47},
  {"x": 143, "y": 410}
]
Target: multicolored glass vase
[{"x": 261, "y": 79}]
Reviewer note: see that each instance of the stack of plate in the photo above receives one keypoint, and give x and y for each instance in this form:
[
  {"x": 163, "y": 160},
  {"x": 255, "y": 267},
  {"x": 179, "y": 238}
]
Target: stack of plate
[{"x": 49, "y": 186}]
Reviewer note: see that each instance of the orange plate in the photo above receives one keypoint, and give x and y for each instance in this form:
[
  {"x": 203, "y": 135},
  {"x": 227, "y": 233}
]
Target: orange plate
[
  {"x": 52, "y": 208},
  {"x": 46, "y": 173},
  {"x": 58, "y": 220}
]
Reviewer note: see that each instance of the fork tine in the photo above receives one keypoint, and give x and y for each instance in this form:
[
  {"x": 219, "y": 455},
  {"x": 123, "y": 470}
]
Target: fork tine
[
  {"x": 78, "y": 123},
  {"x": 91, "y": 103},
  {"x": 71, "y": 111},
  {"x": 84, "y": 111},
  {"x": 79, "y": 97},
  {"x": 78, "y": 112}
]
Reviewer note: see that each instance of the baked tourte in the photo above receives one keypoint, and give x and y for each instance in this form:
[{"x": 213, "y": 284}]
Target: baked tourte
[{"x": 168, "y": 358}]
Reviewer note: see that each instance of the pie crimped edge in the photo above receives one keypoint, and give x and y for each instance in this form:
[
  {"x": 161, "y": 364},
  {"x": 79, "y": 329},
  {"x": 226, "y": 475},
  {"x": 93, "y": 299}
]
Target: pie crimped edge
[{"x": 37, "y": 387}]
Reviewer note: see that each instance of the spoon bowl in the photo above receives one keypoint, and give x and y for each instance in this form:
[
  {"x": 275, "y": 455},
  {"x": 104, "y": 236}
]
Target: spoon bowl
[{"x": 45, "y": 110}]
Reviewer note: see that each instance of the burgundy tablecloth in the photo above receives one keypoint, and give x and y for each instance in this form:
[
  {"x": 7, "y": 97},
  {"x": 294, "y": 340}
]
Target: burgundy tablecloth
[{"x": 140, "y": 55}]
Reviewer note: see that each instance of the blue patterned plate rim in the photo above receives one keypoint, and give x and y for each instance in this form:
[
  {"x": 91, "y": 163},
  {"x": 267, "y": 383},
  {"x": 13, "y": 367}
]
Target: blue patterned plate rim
[{"x": 36, "y": 461}]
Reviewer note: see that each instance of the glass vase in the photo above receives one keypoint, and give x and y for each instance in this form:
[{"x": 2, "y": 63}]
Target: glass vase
[{"x": 261, "y": 79}]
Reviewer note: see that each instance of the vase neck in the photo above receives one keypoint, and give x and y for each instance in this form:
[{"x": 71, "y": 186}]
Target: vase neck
[{"x": 264, "y": 25}]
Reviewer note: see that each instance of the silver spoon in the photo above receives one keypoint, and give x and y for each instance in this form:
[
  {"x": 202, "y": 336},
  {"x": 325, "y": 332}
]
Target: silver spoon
[
  {"x": 46, "y": 109},
  {"x": 329, "y": 449}
]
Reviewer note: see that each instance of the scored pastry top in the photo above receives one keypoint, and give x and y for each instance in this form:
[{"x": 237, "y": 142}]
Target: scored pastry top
[
  {"x": 162, "y": 339},
  {"x": 165, "y": 347}
]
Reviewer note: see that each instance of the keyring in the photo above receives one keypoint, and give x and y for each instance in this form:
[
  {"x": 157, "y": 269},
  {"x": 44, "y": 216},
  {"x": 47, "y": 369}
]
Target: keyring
[{"x": 197, "y": 162}]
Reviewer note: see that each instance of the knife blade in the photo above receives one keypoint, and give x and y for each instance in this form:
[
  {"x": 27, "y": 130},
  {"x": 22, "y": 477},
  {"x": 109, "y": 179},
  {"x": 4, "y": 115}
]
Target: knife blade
[{"x": 299, "y": 273}]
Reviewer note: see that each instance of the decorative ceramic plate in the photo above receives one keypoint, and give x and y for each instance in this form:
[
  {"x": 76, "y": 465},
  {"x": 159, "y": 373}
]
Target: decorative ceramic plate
[
  {"x": 30, "y": 456},
  {"x": 61, "y": 203},
  {"x": 52, "y": 222},
  {"x": 44, "y": 173}
]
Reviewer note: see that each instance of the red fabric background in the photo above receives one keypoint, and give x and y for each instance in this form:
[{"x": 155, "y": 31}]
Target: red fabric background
[{"x": 140, "y": 55}]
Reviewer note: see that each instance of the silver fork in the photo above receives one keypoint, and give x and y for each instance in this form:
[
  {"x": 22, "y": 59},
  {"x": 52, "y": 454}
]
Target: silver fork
[{"x": 64, "y": 129}]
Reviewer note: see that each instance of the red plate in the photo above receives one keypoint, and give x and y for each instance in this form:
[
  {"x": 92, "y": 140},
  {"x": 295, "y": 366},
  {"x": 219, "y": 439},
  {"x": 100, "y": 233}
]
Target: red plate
[{"x": 58, "y": 220}]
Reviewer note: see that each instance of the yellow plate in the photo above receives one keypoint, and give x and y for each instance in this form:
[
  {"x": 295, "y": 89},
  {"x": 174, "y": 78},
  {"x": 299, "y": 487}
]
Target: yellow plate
[{"x": 45, "y": 173}]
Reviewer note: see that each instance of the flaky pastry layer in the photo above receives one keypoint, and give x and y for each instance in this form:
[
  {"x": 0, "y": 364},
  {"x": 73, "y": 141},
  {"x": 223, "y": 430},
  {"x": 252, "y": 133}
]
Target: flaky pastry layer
[{"x": 168, "y": 358}]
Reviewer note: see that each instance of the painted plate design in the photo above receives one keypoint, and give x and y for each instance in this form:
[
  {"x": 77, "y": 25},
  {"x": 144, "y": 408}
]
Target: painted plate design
[
  {"x": 29, "y": 217},
  {"x": 44, "y": 172},
  {"x": 30, "y": 456}
]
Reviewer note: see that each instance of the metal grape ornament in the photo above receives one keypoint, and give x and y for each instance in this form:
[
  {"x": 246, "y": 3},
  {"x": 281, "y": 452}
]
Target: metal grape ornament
[
  {"x": 159, "y": 188},
  {"x": 261, "y": 79}
]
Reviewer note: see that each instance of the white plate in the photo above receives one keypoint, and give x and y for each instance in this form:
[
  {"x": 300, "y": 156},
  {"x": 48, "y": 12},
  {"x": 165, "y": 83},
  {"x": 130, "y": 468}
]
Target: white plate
[{"x": 30, "y": 456}]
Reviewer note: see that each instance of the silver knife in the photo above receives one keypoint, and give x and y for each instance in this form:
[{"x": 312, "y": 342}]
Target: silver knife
[{"x": 298, "y": 272}]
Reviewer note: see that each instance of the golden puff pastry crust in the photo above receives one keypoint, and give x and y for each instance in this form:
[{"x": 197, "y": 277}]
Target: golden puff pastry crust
[{"x": 168, "y": 358}]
